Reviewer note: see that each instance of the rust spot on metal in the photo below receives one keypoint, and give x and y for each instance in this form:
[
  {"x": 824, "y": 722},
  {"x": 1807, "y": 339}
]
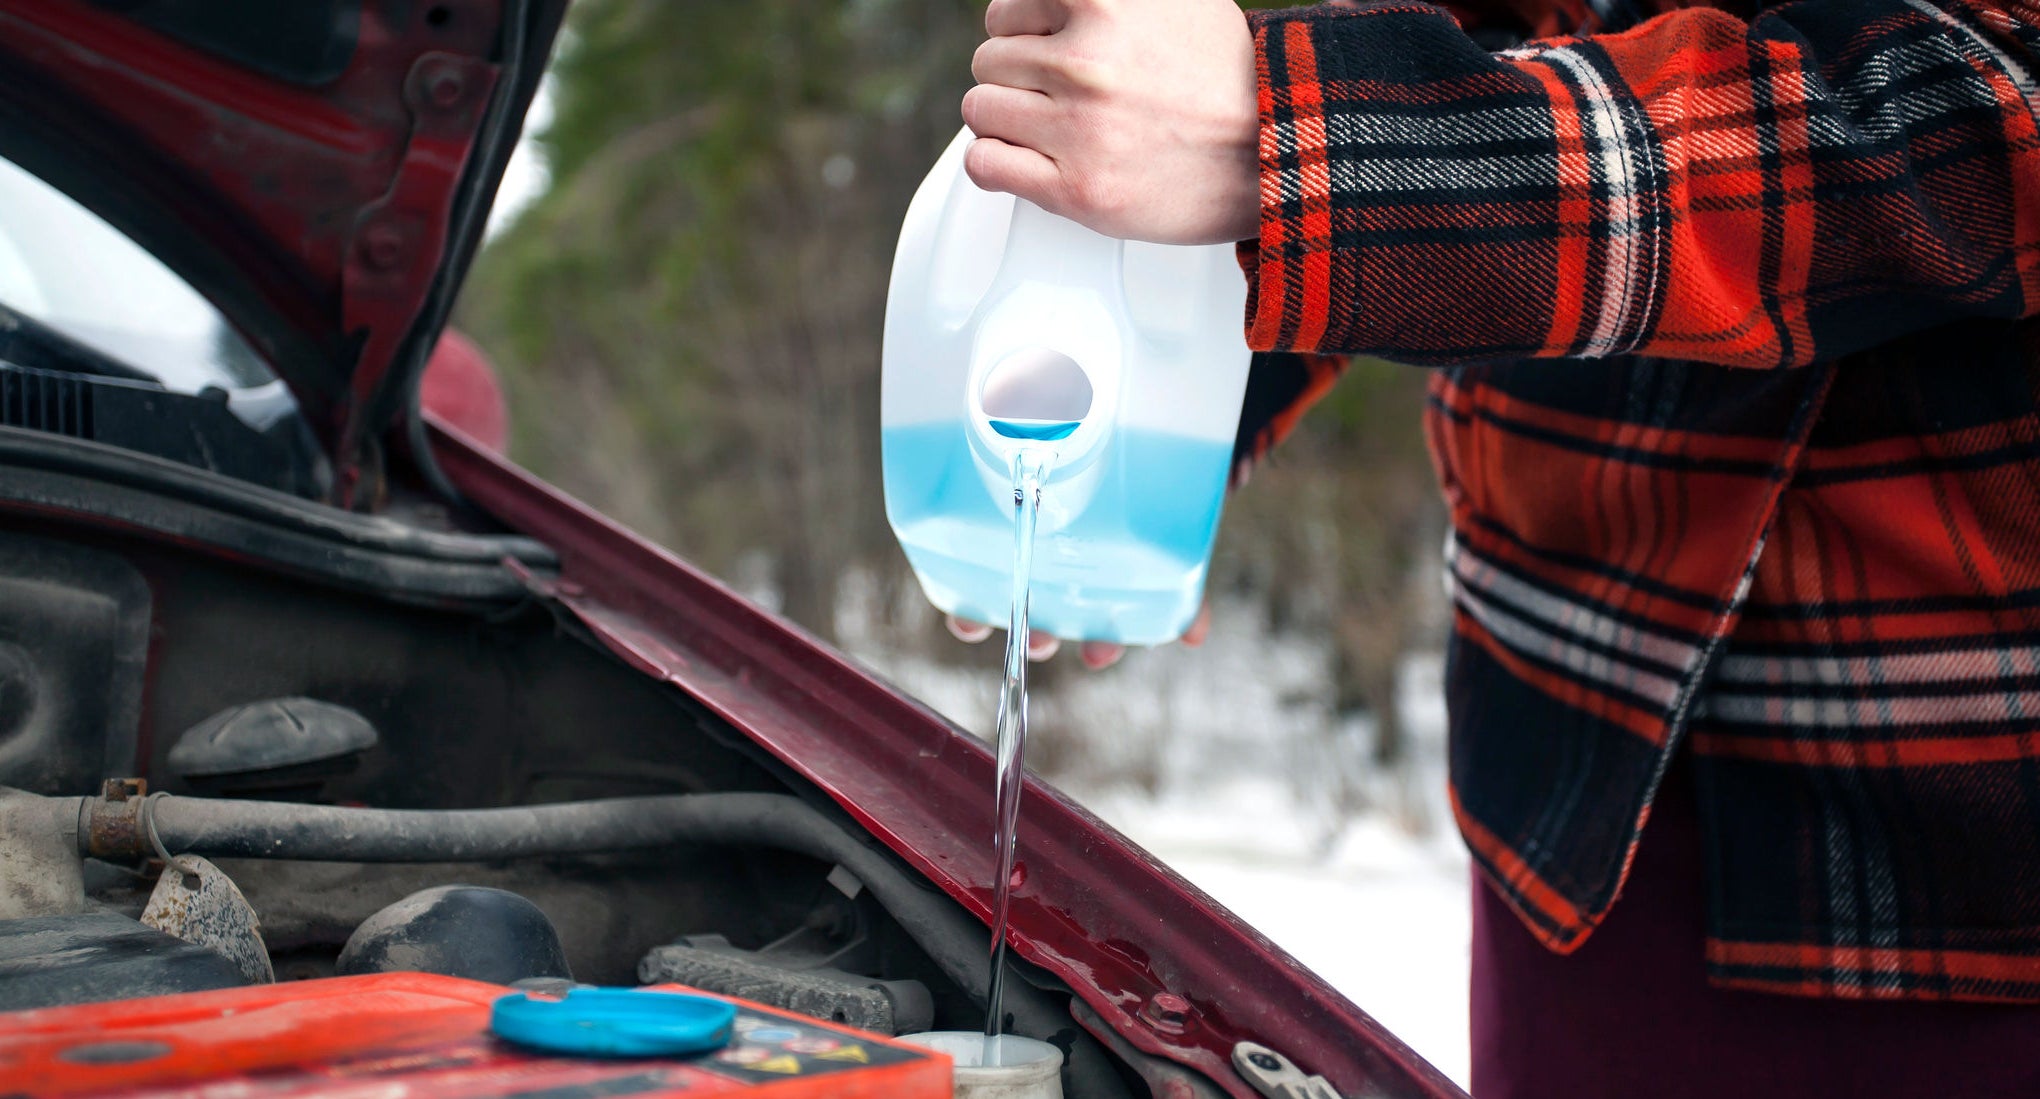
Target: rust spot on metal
[{"x": 113, "y": 823}]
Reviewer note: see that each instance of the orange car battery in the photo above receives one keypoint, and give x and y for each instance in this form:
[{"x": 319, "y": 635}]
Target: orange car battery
[{"x": 398, "y": 1035}]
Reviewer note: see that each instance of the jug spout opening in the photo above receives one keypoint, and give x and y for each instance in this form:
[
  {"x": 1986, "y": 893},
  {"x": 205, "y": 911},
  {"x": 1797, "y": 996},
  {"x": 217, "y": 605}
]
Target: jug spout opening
[
  {"x": 1038, "y": 394},
  {"x": 1036, "y": 385}
]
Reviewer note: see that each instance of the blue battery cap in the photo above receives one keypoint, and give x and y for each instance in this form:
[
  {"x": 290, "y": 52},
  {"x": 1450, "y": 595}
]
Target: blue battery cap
[{"x": 615, "y": 1022}]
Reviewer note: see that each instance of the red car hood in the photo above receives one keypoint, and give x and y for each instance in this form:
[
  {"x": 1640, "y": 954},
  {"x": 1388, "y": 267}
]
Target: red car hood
[{"x": 321, "y": 169}]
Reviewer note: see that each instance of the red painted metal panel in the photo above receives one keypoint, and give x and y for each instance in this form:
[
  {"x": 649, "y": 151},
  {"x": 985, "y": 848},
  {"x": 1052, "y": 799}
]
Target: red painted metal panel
[
  {"x": 330, "y": 203},
  {"x": 1093, "y": 908}
]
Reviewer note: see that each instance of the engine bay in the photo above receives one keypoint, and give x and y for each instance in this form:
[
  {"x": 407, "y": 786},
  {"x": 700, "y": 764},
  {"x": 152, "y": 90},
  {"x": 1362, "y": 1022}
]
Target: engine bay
[{"x": 213, "y": 775}]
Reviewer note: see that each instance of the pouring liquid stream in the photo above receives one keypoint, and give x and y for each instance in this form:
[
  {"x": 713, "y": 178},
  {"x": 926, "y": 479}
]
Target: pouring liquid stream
[{"x": 1030, "y": 468}]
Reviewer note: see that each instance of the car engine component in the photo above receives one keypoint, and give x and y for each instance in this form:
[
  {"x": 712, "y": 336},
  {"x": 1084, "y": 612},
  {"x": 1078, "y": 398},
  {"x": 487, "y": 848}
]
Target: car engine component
[
  {"x": 47, "y": 961},
  {"x": 197, "y": 430},
  {"x": 74, "y": 638},
  {"x": 40, "y": 874},
  {"x": 783, "y": 975},
  {"x": 283, "y": 748},
  {"x": 1274, "y": 1076},
  {"x": 195, "y": 901},
  {"x": 468, "y": 931},
  {"x": 508, "y": 752},
  {"x": 952, "y": 939}
]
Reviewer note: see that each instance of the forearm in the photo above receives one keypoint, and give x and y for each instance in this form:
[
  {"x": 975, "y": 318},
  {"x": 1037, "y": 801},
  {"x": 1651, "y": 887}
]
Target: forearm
[{"x": 1749, "y": 193}]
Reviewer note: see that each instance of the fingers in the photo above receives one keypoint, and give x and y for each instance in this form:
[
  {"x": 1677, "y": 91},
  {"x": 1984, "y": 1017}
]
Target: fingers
[
  {"x": 1025, "y": 62},
  {"x": 1010, "y": 118},
  {"x": 997, "y": 166},
  {"x": 965, "y": 630},
  {"x": 1012, "y": 115},
  {"x": 1010, "y": 17},
  {"x": 1040, "y": 646},
  {"x": 1100, "y": 655},
  {"x": 1096, "y": 655}
]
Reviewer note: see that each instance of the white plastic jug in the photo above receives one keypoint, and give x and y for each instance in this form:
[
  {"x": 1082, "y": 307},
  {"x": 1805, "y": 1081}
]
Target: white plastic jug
[{"x": 1008, "y": 327}]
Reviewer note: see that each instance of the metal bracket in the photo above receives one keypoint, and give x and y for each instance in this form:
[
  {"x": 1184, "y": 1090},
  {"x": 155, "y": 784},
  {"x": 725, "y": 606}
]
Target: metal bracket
[
  {"x": 1276, "y": 1077},
  {"x": 398, "y": 240},
  {"x": 1165, "y": 1079}
]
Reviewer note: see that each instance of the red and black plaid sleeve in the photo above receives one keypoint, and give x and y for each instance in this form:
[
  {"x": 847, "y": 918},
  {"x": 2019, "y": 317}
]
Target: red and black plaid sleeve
[
  {"x": 1777, "y": 191},
  {"x": 1821, "y": 582}
]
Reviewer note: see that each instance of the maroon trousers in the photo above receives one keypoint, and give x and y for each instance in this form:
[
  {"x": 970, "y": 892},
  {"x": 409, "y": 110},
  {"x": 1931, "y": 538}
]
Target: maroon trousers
[{"x": 1630, "y": 1013}]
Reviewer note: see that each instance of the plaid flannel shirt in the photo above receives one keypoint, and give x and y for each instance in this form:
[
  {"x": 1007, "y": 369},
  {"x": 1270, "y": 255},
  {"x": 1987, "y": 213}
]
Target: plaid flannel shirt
[{"x": 1738, "y": 421}]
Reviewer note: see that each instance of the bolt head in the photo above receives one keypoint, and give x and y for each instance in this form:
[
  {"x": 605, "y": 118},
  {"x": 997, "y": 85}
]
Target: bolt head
[
  {"x": 445, "y": 89},
  {"x": 1167, "y": 1011},
  {"x": 383, "y": 246}
]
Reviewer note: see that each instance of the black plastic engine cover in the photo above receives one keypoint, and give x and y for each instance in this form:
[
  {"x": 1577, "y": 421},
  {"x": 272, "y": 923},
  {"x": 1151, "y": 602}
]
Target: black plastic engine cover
[
  {"x": 74, "y": 644},
  {"x": 469, "y": 931},
  {"x": 49, "y": 961}
]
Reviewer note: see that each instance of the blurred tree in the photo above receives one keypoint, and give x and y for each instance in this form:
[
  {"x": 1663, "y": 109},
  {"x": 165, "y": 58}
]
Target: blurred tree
[
  {"x": 689, "y": 318},
  {"x": 1339, "y": 530}
]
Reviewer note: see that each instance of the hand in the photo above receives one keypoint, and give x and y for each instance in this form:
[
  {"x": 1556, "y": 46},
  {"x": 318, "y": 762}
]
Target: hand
[
  {"x": 1097, "y": 655},
  {"x": 1137, "y": 118}
]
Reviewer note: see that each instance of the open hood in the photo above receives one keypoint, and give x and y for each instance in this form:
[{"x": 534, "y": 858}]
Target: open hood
[{"x": 320, "y": 169}]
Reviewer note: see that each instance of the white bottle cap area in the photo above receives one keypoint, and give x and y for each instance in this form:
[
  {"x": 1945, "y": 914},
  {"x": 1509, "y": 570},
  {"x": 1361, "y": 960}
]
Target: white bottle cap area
[{"x": 1036, "y": 393}]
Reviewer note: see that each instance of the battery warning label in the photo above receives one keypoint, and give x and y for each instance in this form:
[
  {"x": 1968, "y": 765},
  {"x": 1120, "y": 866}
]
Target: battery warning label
[{"x": 775, "y": 1046}]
